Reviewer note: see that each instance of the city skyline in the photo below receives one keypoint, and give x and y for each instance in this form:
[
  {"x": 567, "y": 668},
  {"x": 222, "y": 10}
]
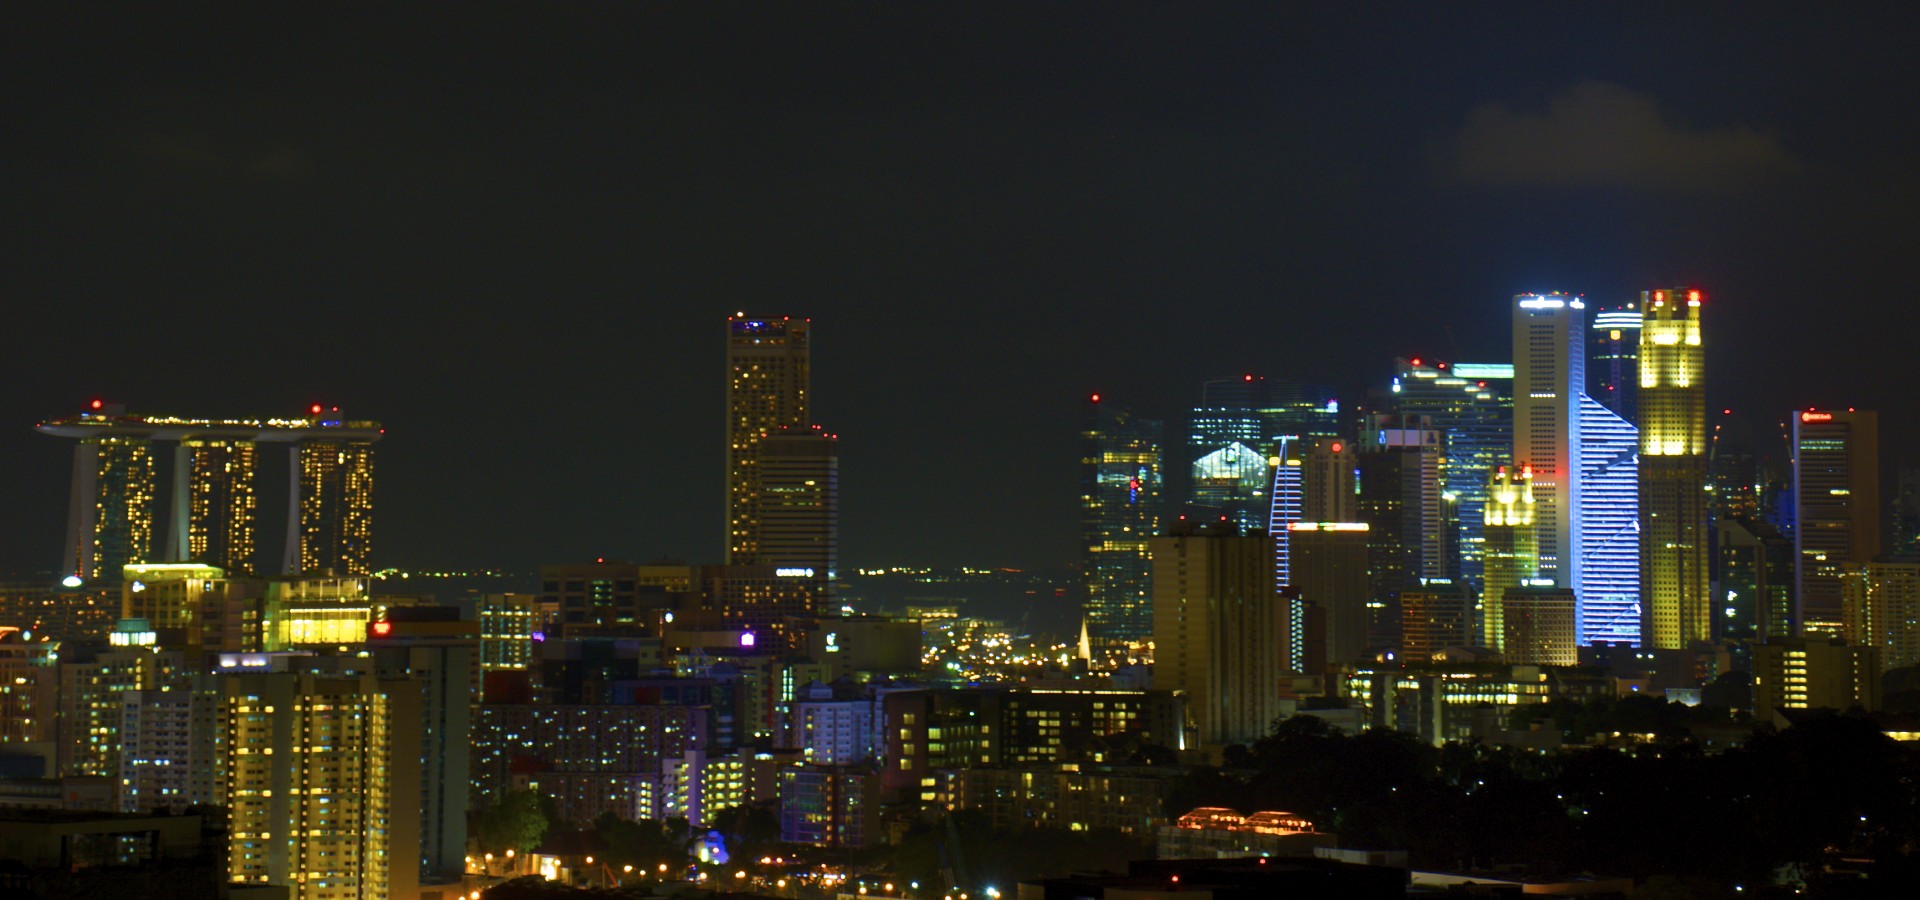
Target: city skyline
[{"x": 485, "y": 263}]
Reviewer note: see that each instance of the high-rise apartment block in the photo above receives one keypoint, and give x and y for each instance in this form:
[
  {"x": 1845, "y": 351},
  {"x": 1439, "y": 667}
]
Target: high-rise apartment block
[
  {"x": 1219, "y": 628},
  {"x": 1120, "y": 509},
  {"x": 1880, "y": 608},
  {"x": 322, "y": 784},
  {"x": 768, "y": 373},
  {"x": 1677, "y": 610},
  {"x": 1836, "y": 492}
]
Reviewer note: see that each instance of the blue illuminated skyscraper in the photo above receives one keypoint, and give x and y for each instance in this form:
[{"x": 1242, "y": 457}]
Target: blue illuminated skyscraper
[
  {"x": 1609, "y": 527},
  {"x": 1289, "y": 489},
  {"x": 1120, "y": 496}
]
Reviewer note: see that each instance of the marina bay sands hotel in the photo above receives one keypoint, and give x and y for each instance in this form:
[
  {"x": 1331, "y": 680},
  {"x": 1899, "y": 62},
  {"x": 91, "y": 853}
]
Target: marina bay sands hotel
[{"x": 211, "y": 516}]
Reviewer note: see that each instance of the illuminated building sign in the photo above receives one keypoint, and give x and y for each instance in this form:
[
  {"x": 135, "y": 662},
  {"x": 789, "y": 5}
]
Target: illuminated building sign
[
  {"x": 1816, "y": 417},
  {"x": 794, "y": 573}
]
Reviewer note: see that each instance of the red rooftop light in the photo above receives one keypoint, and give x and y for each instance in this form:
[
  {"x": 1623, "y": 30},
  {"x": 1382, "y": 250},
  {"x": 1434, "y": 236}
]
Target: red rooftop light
[
  {"x": 96, "y": 404},
  {"x": 314, "y": 409},
  {"x": 1096, "y": 398},
  {"x": 382, "y": 628}
]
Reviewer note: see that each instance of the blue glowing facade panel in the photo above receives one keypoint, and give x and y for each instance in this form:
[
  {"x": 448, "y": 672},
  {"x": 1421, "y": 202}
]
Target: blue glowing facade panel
[
  {"x": 1289, "y": 489},
  {"x": 1607, "y": 528},
  {"x": 1472, "y": 404}
]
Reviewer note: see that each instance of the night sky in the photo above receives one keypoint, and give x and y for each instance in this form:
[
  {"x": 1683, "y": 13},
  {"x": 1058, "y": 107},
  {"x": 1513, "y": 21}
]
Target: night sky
[{"x": 514, "y": 236}]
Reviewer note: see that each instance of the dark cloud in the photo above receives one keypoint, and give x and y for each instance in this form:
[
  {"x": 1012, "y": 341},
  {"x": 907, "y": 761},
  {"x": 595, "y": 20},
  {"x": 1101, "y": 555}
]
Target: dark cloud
[{"x": 1602, "y": 135}]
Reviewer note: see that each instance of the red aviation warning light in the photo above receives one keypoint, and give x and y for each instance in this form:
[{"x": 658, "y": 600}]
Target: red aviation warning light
[
  {"x": 97, "y": 403},
  {"x": 381, "y": 628},
  {"x": 1095, "y": 398},
  {"x": 314, "y": 409}
]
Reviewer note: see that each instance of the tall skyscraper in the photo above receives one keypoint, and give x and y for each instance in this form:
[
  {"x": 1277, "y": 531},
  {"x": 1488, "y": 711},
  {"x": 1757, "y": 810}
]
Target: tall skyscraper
[
  {"x": 1328, "y": 491},
  {"x": 1329, "y": 564},
  {"x": 1836, "y": 490},
  {"x": 1399, "y": 489},
  {"x": 797, "y": 505},
  {"x": 1676, "y": 609},
  {"x": 1906, "y": 514},
  {"x": 110, "y": 520},
  {"x": 336, "y": 507},
  {"x": 1756, "y": 580},
  {"x": 1289, "y": 477},
  {"x": 1511, "y": 558},
  {"x": 1398, "y": 495},
  {"x": 1549, "y": 375},
  {"x": 1219, "y": 629},
  {"x": 1613, "y": 368},
  {"x": 1471, "y": 404},
  {"x": 1232, "y": 481},
  {"x": 768, "y": 372},
  {"x": 1232, "y": 437},
  {"x": 1609, "y": 533},
  {"x": 218, "y": 503},
  {"x": 1120, "y": 497}
]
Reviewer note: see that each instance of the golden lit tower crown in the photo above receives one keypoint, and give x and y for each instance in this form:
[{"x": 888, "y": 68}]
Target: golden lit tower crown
[
  {"x": 1676, "y": 610},
  {"x": 1512, "y": 546}
]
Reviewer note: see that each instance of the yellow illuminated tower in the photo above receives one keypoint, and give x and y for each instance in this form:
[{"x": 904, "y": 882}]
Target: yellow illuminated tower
[
  {"x": 110, "y": 521},
  {"x": 335, "y": 525},
  {"x": 220, "y": 503},
  {"x": 321, "y": 780},
  {"x": 1675, "y": 607},
  {"x": 767, "y": 375},
  {"x": 1512, "y": 554}
]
